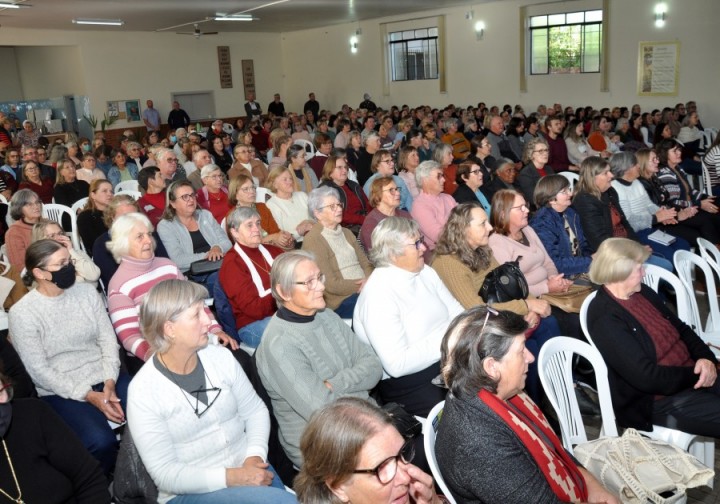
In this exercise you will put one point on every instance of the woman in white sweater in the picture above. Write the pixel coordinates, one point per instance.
(289, 207)
(200, 428)
(402, 313)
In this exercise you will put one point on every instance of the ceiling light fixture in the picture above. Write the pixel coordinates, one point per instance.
(236, 17)
(6, 5)
(103, 22)
(660, 13)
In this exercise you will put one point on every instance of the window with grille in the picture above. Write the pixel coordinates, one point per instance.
(566, 43)
(414, 54)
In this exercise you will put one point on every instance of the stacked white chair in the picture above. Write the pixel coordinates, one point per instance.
(430, 429)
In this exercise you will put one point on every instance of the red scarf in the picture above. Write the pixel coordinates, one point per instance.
(530, 425)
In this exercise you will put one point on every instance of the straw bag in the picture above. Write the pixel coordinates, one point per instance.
(641, 470)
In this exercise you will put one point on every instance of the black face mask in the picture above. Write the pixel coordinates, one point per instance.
(5, 418)
(64, 278)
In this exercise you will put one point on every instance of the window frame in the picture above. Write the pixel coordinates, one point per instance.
(404, 42)
(548, 26)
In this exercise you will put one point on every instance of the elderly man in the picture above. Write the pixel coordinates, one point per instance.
(371, 144)
(167, 162)
(252, 108)
(495, 136)
(178, 118)
(244, 163)
(200, 159)
(276, 107)
(308, 356)
(431, 208)
(151, 117)
(459, 143)
(30, 154)
(216, 130)
(135, 155)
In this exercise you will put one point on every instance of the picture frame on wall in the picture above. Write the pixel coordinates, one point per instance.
(658, 68)
(132, 110)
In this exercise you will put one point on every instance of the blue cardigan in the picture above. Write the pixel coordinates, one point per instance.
(550, 228)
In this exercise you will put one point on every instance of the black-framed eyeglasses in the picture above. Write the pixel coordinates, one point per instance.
(196, 394)
(386, 470)
(417, 243)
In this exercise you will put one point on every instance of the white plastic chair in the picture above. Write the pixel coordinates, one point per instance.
(710, 253)
(55, 212)
(655, 274)
(701, 448)
(228, 128)
(308, 146)
(686, 263)
(127, 185)
(136, 195)
(3, 199)
(261, 194)
(430, 432)
(572, 177)
(79, 205)
(555, 364)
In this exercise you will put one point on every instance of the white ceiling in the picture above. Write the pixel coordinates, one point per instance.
(155, 15)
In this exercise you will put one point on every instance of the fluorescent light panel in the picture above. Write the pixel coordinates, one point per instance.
(4, 5)
(104, 22)
(238, 17)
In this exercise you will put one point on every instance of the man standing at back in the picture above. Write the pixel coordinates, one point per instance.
(178, 118)
(276, 107)
(151, 117)
(312, 105)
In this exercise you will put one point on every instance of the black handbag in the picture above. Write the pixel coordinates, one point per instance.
(504, 283)
(204, 267)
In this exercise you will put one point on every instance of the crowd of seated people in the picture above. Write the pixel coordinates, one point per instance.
(401, 215)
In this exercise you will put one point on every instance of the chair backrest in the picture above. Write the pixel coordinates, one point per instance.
(583, 316)
(127, 185)
(79, 205)
(686, 264)
(224, 311)
(555, 364)
(136, 195)
(432, 422)
(571, 177)
(309, 148)
(710, 253)
(55, 212)
(261, 194)
(228, 128)
(3, 199)
(654, 275)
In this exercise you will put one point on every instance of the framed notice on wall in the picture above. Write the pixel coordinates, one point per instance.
(248, 72)
(658, 68)
(225, 68)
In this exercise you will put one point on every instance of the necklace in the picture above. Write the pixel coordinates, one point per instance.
(17, 500)
(265, 268)
(194, 393)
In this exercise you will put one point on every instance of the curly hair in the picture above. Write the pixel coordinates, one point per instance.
(453, 242)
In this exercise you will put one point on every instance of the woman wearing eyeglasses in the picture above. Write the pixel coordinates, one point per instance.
(213, 195)
(68, 346)
(190, 233)
(26, 210)
(469, 178)
(355, 204)
(353, 453)
(337, 252)
(385, 200)
(86, 270)
(535, 157)
(39, 447)
(383, 165)
(199, 427)
(402, 313)
(483, 446)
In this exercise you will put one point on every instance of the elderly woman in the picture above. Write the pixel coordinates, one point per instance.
(505, 177)
(242, 193)
(481, 149)
(213, 195)
(72, 153)
(385, 200)
(245, 275)
(90, 221)
(403, 311)
(121, 171)
(355, 204)
(535, 157)
(32, 180)
(308, 356)
(303, 176)
(469, 179)
(26, 211)
(642, 214)
(133, 248)
(353, 453)
(337, 252)
(383, 165)
(68, 188)
(482, 447)
(85, 269)
(197, 457)
(191, 234)
(598, 205)
(408, 161)
(660, 371)
(88, 171)
(29, 136)
(557, 225)
(73, 360)
(443, 156)
(39, 446)
(432, 208)
(463, 260)
(288, 205)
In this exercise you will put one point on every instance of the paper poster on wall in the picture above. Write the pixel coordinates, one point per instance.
(225, 67)
(248, 72)
(658, 68)
(113, 110)
(132, 110)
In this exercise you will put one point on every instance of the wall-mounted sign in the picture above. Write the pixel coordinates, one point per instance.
(225, 67)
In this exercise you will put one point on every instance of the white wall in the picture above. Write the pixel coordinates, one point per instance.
(47, 72)
(126, 66)
(489, 70)
(10, 87)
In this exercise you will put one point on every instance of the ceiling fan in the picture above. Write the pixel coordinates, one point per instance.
(196, 32)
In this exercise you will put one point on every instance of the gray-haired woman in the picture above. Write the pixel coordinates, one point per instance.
(245, 275)
(337, 252)
(483, 433)
(535, 157)
(214, 449)
(26, 210)
(403, 312)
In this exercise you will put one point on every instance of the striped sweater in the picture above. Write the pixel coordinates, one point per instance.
(128, 286)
